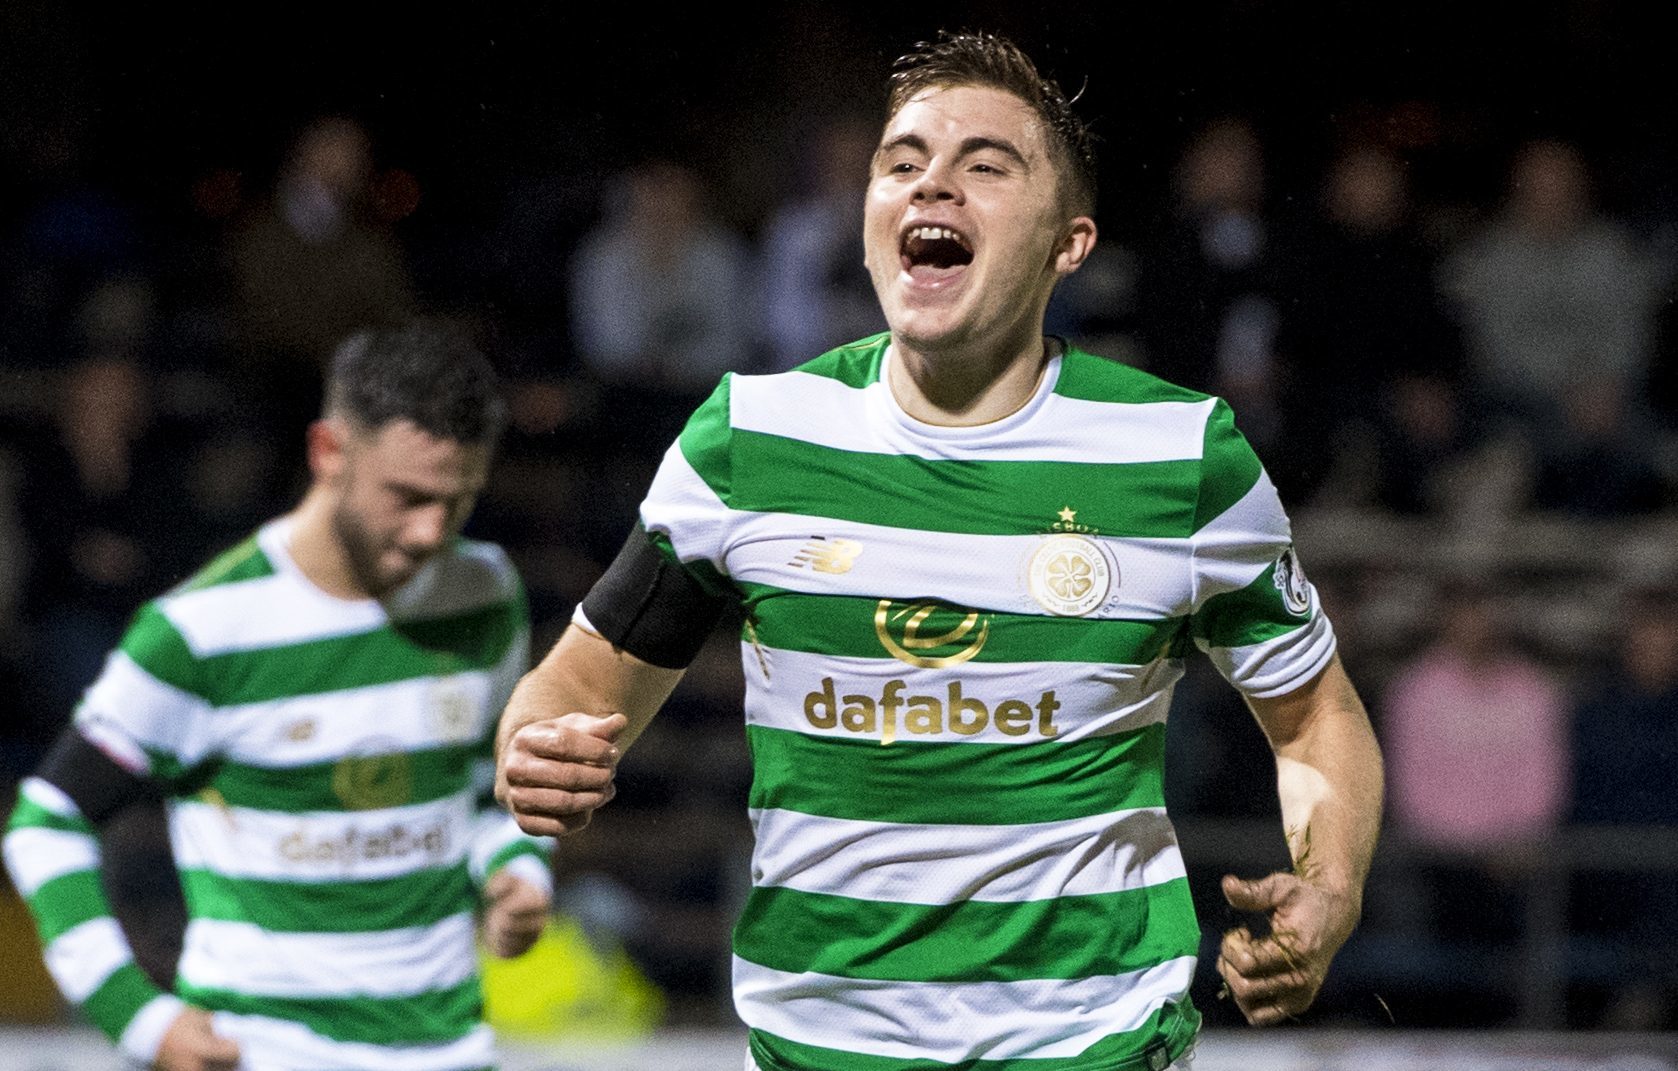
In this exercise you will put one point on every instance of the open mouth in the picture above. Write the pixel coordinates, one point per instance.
(928, 253)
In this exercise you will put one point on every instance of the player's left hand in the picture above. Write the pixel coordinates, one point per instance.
(1277, 976)
(515, 913)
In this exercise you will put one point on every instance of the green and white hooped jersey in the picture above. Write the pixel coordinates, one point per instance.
(328, 764)
(959, 648)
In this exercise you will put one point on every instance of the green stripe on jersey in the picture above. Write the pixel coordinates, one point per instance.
(1230, 467)
(1252, 615)
(118, 999)
(157, 646)
(844, 626)
(701, 571)
(513, 850)
(31, 815)
(774, 474)
(956, 783)
(397, 651)
(242, 561)
(421, 1019)
(973, 941)
(1171, 1028)
(418, 899)
(856, 364)
(1090, 378)
(67, 901)
(355, 783)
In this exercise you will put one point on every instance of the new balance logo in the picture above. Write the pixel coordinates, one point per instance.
(827, 555)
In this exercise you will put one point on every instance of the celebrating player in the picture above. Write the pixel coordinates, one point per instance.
(317, 707)
(971, 559)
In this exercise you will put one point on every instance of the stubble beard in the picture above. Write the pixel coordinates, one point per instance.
(362, 553)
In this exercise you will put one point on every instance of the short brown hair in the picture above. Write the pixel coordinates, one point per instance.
(426, 371)
(993, 61)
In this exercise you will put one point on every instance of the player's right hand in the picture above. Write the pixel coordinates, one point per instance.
(554, 773)
(191, 1044)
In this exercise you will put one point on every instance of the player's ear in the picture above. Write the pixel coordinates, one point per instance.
(1076, 242)
(327, 441)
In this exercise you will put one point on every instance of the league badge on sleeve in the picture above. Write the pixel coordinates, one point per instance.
(1291, 582)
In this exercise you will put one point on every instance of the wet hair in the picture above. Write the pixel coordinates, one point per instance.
(424, 371)
(992, 61)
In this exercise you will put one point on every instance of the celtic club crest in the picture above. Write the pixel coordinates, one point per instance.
(1070, 575)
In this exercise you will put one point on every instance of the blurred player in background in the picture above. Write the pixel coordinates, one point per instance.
(316, 706)
(971, 559)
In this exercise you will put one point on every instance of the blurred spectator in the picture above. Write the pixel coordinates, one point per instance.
(661, 307)
(1476, 735)
(72, 231)
(1371, 360)
(1206, 293)
(1626, 728)
(1625, 735)
(660, 287)
(1475, 738)
(1558, 309)
(100, 500)
(817, 294)
(310, 266)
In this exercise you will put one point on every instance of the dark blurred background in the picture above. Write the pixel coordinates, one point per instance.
(1428, 252)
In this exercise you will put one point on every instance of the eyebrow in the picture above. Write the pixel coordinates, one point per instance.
(968, 147)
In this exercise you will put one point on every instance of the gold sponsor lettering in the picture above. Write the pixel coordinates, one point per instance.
(357, 846)
(924, 715)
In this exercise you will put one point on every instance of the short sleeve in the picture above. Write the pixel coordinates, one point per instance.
(1255, 614)
(686, 509)
(148, 709)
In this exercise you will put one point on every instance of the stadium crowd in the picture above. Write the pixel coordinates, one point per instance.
(1438, 368)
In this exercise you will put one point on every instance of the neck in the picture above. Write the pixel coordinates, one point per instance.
(966, 387)
(317, 550)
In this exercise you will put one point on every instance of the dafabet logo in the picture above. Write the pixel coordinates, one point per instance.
(929, 635)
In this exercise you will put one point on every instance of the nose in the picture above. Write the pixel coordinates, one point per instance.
(938, 183)
(428, 527)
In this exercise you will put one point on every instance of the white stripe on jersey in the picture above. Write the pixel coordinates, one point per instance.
(982, 571)
(289, 1046)
(682, 505)
(36, 856)
(1094, 700)
(319, 846)
(127, 708)
(417, 714)
(81, 958)
(389, 963)
(947, 864)
(1239, 544)
(1276, 667)
(218, 619)
(1062, 429)
(956, 1021)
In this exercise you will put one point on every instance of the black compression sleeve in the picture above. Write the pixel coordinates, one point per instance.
(92, 779)
(648, 605)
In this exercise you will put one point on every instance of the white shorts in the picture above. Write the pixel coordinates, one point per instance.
(1184, 1062)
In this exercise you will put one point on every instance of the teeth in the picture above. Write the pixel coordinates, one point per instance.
(931, 233)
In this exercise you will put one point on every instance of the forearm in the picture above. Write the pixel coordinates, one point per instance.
(583, 673)
(1330, 781)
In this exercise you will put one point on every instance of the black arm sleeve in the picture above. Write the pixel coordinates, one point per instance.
(648, 605)
(92, 779)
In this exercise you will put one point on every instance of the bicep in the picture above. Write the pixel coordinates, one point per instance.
(1292, 721)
